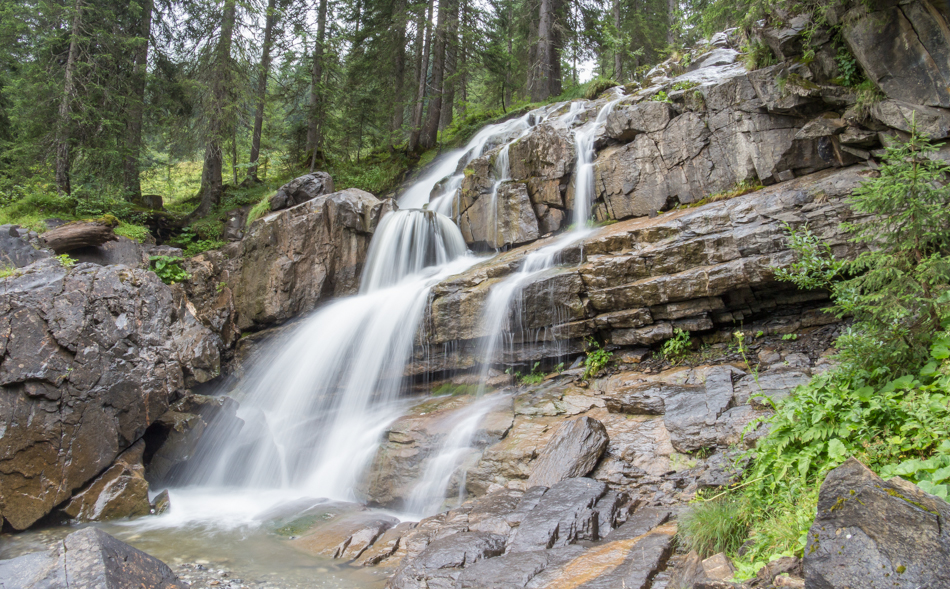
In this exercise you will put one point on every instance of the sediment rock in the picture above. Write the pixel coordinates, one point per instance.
(573, 451)
(301, 189)
(88, 558)
(89, 358)
(876, 534)
(119, 492)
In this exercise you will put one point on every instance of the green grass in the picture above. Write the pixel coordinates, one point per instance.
(719, 525)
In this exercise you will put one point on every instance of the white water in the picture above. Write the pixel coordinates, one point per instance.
(448, 169)
(497, 320)
(316, 405)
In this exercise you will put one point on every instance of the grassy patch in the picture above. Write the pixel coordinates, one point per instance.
(447, 389)
(720, 525)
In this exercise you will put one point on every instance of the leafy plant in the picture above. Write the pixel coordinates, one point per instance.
(598, 86)
(851, 74)
(65, 261)
(661, 96)
(685, 85)
(675, 348)
(790, 337)
(597, 358)
(7, 271)
(168, 269)
(757, 55)
(533, 377)
(202, 245)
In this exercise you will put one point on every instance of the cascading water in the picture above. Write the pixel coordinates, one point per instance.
(496, 314)
(315, 406)
(448, 168)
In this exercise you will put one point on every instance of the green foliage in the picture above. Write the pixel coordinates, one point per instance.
(932, 475)
(719, 525)
(597, 358)
(65, 261)
(202, 245)
(685, 85)
(851, 74)
(757, 55)
(790, 337)
(661, 96)
(675, 348)
(867, 96)
(168, 269)
(533, 377)
(815, 267)
(7, 271)
(135, 232)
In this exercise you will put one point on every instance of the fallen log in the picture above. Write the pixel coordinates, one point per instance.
(76, 235)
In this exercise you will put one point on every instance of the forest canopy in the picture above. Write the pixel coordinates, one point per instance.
(102, 101)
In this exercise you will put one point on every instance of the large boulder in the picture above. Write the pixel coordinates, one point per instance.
(292, 260)
(904, 48)
(88, 558)
(301, 189)
(573, 451)
(119, 492)
(876, 534)
(90, 357)
(504, 219)
(19, 247)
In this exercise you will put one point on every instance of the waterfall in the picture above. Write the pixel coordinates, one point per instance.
(448, 169)
(316, 405)
(498, 305)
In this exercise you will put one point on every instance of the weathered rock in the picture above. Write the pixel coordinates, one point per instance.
(173, 439)
(19, 247)
(904, 48)
(930, 121)
(563, 515)
(301, 189)
(625, 123)
(345, 536)
(786, 41)
(876, 534)
(292, 260)
(88, 558)
(573, 451)
(384, 546)
(441, 563)
(121, 250)
(695, 414)
(97, 353)
(512, 221)
(638, 400)
(121, 491)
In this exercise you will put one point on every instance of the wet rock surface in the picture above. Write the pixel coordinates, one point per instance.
(573, 451)
(88, 558)
(874, 533)
(97, 354)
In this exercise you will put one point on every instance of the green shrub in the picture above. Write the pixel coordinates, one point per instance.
(675, 348)
(661, 96)
(65, 261)
(168, 269)
(597, 358)
(535, 376)
(135, 232)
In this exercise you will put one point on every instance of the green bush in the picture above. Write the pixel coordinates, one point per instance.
(598, 86)
(676, 347)
(597, 358)
(168, 269)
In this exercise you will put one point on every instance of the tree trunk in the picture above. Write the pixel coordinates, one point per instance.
(463, 60)
(130, 168)
(71, 236)
(451, 67)
(64, 123)
(316, 75)
(421, 83)
(430, 133)
(618, 51)
(671, 12)
(269, 21)
(399, 69)
(211, 175)
(540, 67)
(506, 95)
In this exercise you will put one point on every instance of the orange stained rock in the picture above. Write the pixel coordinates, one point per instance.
(601, 560)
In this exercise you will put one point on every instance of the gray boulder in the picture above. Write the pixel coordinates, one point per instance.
(563, 515)
(19, 247)
(89, 558)
(904, 48)
(876, 534)
(933, 122)
(573, 451)
(97, 353)
(301, 189)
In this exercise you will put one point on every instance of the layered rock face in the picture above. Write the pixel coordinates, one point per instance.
(287, 264)
(638, 280)
(90, 357)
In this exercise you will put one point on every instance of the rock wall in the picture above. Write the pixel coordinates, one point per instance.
(632, 283)
(288, 263)
(90, 357)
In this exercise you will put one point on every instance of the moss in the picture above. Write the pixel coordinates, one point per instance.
(901, 568)
(899, 495)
